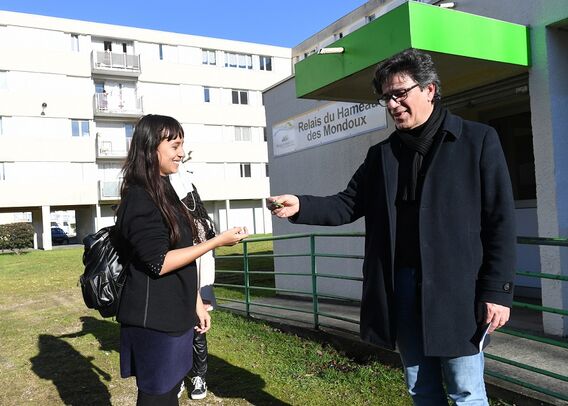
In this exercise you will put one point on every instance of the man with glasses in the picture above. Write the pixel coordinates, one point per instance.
(440, 234)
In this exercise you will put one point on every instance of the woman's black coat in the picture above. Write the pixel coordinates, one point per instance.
(466, 235)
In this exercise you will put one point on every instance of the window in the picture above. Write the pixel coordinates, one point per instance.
(266, 170)
(1, 127)
(515, 132)
(231, 60)
(79, 128)
(337, 36)
(101, 96)
(2, 171)
(75, 42)
(505, 106)
(370, 18)
(128, 131)
(208, 57)
(243, 134)
(108, 46)
(124, 48)
(264, 134)
(242, 61)
(265, 62)
(245, 170)
(240, 96)
(161, 51)
(206, 95)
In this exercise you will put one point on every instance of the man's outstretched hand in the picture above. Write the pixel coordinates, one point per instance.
(283, 206)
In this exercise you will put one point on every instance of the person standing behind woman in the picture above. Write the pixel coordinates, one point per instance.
(187, 193)
(160, 303)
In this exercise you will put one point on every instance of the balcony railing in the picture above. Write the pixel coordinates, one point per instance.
(108, 105)
(109, 190)
(112, 148)
(119, 63)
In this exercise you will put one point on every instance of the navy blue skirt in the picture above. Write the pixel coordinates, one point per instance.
(158, 360)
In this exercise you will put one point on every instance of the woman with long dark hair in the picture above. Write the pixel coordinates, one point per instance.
(160, 304)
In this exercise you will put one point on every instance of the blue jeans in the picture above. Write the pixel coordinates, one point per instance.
(425, 376)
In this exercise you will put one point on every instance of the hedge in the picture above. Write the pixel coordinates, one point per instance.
(16, 236)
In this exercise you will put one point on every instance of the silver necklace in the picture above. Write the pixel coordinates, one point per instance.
(194, 202)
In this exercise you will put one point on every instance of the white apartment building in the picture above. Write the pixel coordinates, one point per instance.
(71, 92)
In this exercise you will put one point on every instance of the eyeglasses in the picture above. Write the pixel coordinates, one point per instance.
(398, 96)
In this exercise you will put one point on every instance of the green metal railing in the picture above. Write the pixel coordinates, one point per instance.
(316, 297)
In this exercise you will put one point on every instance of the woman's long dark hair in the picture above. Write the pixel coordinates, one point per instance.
(142, 168)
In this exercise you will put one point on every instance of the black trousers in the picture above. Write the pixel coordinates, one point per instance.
(199, 367)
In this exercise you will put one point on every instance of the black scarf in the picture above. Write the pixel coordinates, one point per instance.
(419, 140)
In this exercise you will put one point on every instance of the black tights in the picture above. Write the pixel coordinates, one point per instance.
(166, 399)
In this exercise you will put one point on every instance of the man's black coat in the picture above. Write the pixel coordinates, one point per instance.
(466, 234)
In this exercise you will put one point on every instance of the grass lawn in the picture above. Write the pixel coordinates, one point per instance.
(55, 351)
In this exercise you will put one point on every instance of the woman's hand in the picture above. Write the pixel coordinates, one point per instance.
(179, 257)
(204, 318)
(231, 236)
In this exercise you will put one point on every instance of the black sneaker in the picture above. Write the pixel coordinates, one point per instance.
(199, 388)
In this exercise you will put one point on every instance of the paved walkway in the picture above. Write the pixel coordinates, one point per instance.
(521, 350)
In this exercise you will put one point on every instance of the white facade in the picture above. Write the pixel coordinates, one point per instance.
(71, 92)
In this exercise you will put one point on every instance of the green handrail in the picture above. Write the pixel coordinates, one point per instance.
(341, 277)
(262, 255)
(527, 367)
(540, 308)
(340, 256)
(247, 278)
(532, 337)
(528, 385)
(559, 242)
(314, 281)
(316, 296)
(542, 275)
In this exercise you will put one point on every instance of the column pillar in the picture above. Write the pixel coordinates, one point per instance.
(228, 213)
(41, 221)
(548, 87)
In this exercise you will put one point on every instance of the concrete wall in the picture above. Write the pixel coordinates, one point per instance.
(322, 170)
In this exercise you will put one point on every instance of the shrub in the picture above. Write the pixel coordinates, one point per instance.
(16, 236)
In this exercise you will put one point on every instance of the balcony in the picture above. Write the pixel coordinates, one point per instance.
(109, 190)
(112, 148)
(106, 105)
(116, 64)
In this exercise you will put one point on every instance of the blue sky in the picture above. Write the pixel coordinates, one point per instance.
(284, 23)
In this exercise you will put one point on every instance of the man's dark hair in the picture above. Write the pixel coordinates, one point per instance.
(412, 62)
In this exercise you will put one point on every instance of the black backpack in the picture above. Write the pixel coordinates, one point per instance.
(105, 272)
